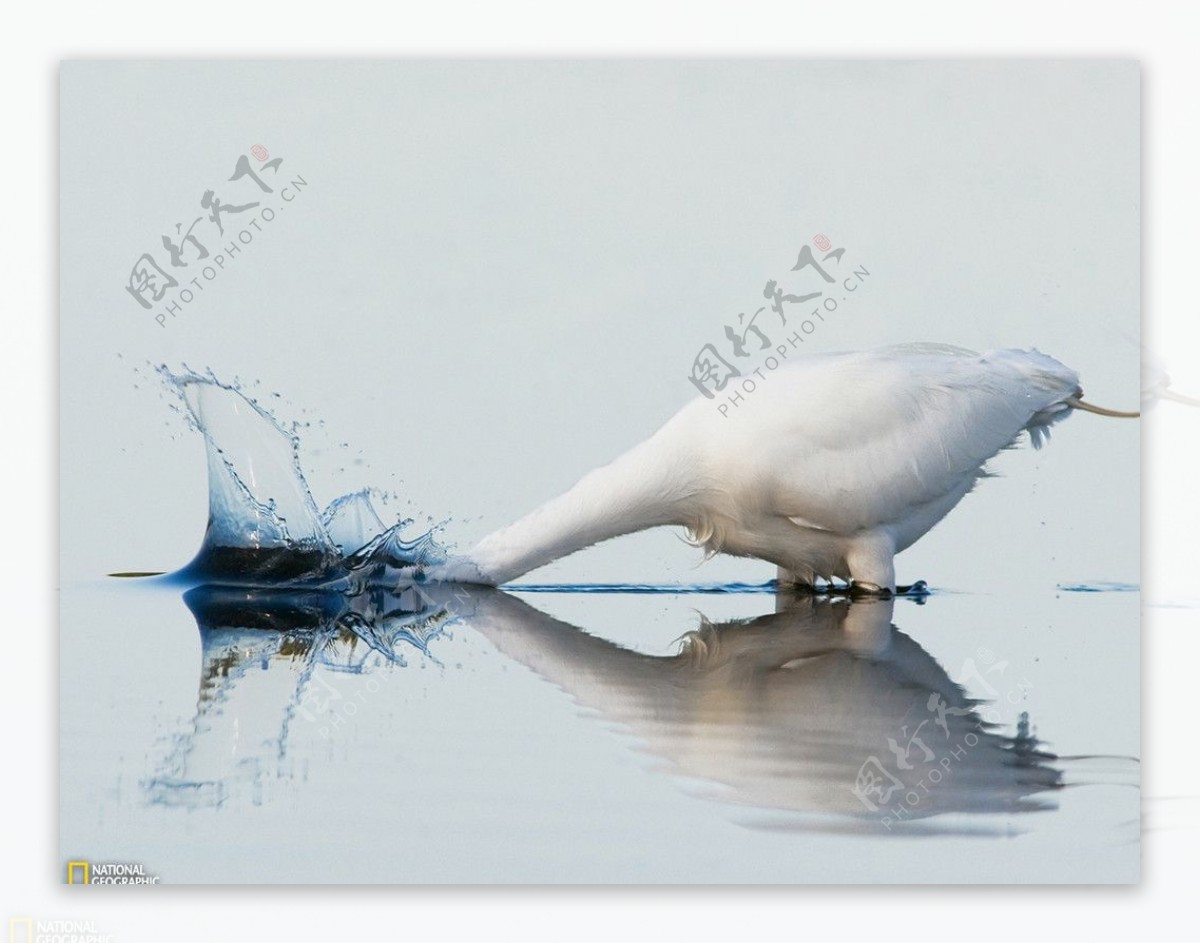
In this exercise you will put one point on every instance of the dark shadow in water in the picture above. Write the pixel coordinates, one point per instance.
(821, 708)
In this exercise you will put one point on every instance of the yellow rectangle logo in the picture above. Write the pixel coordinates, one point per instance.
(15, 926)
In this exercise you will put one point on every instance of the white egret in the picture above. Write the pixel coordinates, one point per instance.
(836, 463)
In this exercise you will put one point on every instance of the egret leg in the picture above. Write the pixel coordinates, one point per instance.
(789, 589)
(788, 580)
(871, 557)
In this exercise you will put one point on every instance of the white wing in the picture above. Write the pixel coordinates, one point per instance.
(853, 441)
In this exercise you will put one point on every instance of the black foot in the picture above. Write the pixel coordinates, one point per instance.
(919, 589)
(868, 591)
(823, 589)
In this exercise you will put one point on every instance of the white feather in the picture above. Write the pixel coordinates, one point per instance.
(832, 466)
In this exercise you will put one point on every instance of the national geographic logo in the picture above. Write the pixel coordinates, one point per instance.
(29, 930)
(108, 873)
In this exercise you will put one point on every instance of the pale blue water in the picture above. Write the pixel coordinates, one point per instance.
(284, 709)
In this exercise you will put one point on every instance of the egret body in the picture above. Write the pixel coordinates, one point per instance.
(833, 466)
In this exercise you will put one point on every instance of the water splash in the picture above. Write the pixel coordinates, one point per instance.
(264, 526)
(1102, 586)
(349, 521)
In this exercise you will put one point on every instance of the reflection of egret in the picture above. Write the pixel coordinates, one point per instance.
(836, 464)
(1156, 383)
(822, 708)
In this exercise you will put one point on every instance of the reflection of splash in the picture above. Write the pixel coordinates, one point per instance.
(260, 652)
(264, 527)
